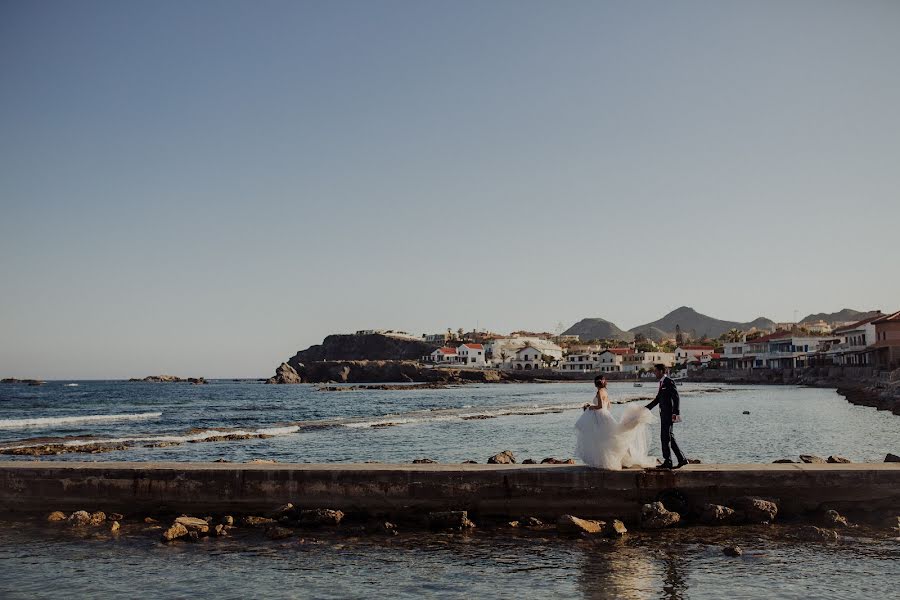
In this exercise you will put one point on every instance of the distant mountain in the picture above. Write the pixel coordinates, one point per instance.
(847, 314)
(695, 325)
(598, 329)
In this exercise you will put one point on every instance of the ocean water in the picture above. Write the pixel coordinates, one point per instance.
(471, 422)
(302, 424)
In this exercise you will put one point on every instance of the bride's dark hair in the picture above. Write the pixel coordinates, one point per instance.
(597, 380)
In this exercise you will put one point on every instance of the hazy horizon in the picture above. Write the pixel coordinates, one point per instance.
(203, 189)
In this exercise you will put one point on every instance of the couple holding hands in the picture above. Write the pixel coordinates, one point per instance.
(607, 443)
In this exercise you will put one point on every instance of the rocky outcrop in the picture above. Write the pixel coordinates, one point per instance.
(503, 458)
(812, 459)
(375, 346)
(56, 516)
(285, 373)
(811, 533)
(569, 525)
(455, 520)
(13, 380)
(834, 459)
(168, 379)
(655, 516)
(751, 509)
(716, 514)
(379, 371)
(320, 517)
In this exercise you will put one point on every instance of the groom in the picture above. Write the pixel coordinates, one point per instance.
(667, 398)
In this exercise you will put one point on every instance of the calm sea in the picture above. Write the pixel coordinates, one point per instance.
(302, 424)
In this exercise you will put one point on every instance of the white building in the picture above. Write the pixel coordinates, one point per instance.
(527, 358)
(855, 340)
(735, 355)
(632, 363)
(781, 350)
(686, 354)
(471, 355)
(443, 356)
(611, 359)
(503, 350)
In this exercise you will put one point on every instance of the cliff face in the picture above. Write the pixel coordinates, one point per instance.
(377, 371)
(363, 347)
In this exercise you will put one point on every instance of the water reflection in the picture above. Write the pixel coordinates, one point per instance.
(618, 570)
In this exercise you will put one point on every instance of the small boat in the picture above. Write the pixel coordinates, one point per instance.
(638, 385)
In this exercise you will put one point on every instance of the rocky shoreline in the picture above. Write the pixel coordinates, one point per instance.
(169, 379)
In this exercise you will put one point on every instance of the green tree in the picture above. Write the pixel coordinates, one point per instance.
(734, 335)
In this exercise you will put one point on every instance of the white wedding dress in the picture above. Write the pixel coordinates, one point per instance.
(607, 443)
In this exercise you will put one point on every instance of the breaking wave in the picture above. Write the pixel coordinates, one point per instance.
(51, 421)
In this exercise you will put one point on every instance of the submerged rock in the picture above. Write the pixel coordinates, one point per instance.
(530, 522)
(456, 520)
(655, 516)
(278, 533)
(732, 551)
(811, 533)
(569, 525)
(252, 521)
(503, 458)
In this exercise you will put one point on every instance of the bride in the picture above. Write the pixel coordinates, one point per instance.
(607, 443)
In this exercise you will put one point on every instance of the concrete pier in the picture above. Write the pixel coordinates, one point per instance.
(485, 490)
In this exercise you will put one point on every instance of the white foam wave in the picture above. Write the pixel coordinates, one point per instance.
(180, 439)
(52, 421)
(71, 385)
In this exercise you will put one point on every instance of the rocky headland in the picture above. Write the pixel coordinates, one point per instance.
(169, 379)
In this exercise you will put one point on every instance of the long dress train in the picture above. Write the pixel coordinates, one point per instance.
(607, 443)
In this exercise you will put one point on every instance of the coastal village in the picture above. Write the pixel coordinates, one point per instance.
(870, 342)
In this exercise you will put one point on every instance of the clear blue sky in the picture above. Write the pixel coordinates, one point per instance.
(203, 188)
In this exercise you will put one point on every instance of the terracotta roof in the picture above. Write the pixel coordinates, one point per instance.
(772, 336)
(697, 347)
(859, 323)
(447, 350)
(894, 318)
(474, 346)
(619, 351)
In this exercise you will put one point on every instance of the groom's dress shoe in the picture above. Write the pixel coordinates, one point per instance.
(680, 464)
(666, 466)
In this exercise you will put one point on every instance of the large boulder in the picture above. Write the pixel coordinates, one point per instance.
(320, 517)
(891, 458)
(503, 458)
(655, 516)
(56, 516)
(174, 532)
(285, 373)
(755, 510)
(193, 524)
(98, 518)
(832, 518)
(456, 520)
(834, 459)
(716, 514)
(80, 518)
(812, 459)
(569, 525)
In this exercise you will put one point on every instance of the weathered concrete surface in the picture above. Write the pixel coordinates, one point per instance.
(501, 490)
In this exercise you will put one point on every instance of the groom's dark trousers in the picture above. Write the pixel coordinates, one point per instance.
(668, 401)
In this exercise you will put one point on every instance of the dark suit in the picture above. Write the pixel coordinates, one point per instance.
(668, 401)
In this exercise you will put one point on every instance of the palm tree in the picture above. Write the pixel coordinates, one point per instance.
(734, 335)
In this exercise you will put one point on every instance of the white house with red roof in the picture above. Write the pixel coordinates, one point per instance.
(471, 355)
(443, 355)
(686, 354)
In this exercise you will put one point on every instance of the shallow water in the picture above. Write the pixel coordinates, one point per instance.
(53, 561)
